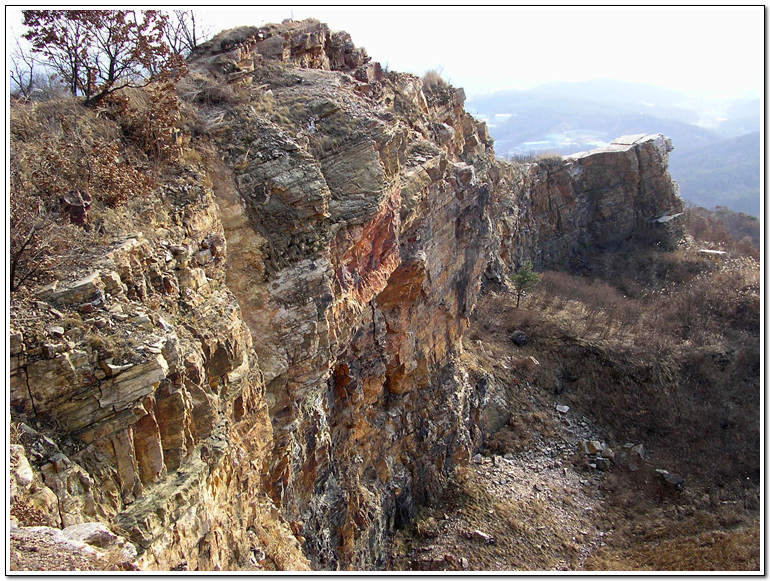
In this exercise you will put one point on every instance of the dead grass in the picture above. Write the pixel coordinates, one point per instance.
(432, 81)
(677, 368)
(663, 349)
(720, 550)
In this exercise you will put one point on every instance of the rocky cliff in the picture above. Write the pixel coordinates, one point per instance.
(290, 312)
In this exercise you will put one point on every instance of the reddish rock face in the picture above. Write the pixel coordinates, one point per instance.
(371, 255)
(313, 303)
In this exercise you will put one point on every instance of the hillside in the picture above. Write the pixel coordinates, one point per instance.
(601, 109)
(261, 319)
(725, 173)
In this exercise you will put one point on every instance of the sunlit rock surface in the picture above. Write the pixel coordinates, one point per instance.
(295, 319)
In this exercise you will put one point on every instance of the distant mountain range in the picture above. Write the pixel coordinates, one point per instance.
(716, 142)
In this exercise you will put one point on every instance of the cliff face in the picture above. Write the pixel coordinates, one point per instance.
(561, 211)
(295, 316)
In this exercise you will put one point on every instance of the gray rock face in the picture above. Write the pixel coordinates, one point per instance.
(560, 211)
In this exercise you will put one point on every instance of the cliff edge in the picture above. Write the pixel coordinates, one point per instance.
(265, 373)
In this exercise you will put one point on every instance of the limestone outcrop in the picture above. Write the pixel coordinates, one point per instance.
(288, 389)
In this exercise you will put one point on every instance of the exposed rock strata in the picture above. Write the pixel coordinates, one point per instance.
(294, 391)
(564, 209)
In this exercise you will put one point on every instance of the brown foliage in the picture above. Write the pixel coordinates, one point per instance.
(723, 229)
(39, 239)
(82, 153)
(98, 52)
(60, 150)
(149, 119)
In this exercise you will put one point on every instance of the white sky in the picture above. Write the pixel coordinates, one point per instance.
(698, 49)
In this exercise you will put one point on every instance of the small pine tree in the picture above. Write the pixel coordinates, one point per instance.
(524, 279)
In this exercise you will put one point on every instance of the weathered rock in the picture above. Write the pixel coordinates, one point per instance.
(481, 536)
(87, 289)
(309, 44)
(562, 208)
(92, 533)
(55, 331)
(602, 463)
(72, 487)
(21, 474)
(16, 342)
(314, 300)
(673, 480)
(519, 338)
(142, 321)
(591, 446)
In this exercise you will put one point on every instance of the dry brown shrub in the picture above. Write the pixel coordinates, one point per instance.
(40, 240)
(59, 149)
(149, 118)
(433, 81)
(27, 514)
(208, 91)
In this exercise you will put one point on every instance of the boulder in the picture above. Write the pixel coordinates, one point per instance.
(602, 463)
(671, 479)
(519, 338)
(86, 290)
(55, 331)
(92, 533)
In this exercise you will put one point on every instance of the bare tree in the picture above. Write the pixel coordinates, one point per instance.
(29, 247)
(30, 78)
(22, 72)
(183, 33)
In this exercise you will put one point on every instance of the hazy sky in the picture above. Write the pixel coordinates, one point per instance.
(704, 49)
(716, 50)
